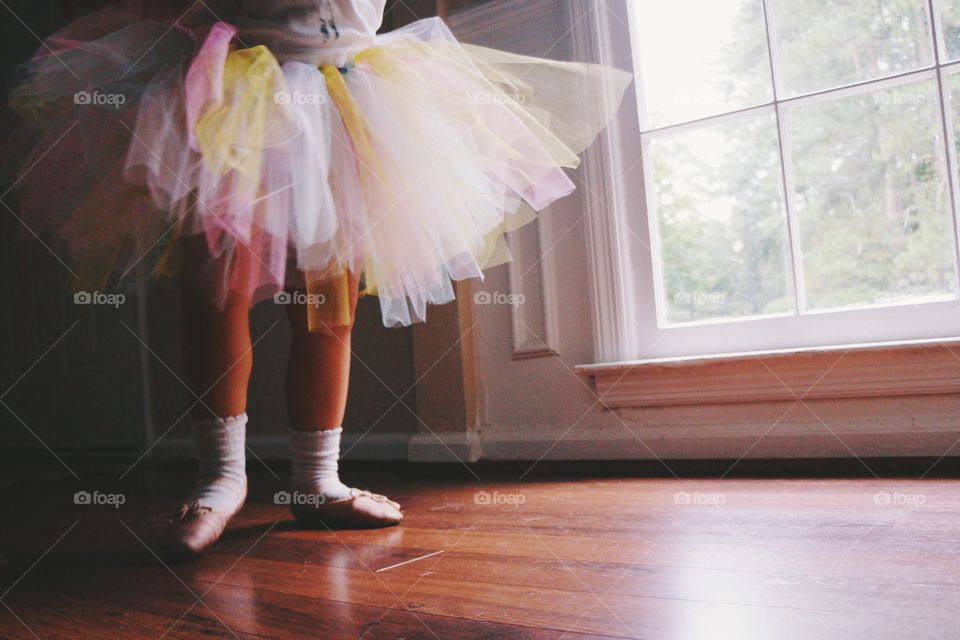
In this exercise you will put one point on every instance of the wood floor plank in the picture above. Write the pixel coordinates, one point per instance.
(732, 586)
(74, 619)
(546, 607)
(253, 612)
(585, 559)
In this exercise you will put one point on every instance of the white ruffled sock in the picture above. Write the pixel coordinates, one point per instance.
(222, 462)
(313, 463)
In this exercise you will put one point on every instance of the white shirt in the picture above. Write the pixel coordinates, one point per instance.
(313, 31)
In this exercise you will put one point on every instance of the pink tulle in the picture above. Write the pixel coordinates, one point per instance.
(204, 82)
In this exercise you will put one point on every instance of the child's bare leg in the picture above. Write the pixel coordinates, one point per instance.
(318, 377)
(318, 372)
(217, 355)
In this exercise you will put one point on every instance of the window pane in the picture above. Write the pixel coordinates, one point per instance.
(871, 197)
(950, 23)
(829, 44)
(700, 58)
(721, 220)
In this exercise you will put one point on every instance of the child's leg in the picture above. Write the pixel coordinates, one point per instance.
(217, 361)
(217, 355)
(317, 381)
(318, 372)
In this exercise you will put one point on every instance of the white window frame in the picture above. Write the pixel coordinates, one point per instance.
(626, 281)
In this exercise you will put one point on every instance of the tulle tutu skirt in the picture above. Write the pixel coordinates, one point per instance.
(403, 168)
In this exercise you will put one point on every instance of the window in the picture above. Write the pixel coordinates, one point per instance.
(800, 173)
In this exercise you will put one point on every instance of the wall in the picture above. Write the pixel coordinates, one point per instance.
(530, 403)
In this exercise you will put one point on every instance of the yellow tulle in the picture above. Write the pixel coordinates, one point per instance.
(231, 135)
(332, 301)
(338, 307)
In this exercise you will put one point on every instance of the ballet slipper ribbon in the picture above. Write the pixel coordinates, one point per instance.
(192, 509)
(376, 497)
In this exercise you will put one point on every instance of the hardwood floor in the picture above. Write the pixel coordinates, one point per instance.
(547, 558)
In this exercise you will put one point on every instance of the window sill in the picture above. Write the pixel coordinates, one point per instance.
(909, 368)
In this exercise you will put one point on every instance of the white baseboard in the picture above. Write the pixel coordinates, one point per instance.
(612, 444)
(373, 446)
(920, 426)
(445, 447)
